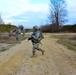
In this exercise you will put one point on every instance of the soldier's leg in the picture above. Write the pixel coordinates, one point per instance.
(33, 51)
(39, 49)
(36, 47)
(18, 39)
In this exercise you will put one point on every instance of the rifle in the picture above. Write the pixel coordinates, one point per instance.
(31, 38)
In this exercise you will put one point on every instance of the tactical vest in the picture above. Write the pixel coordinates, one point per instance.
(39, 38)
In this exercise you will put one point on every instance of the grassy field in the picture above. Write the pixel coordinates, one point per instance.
(7, 42)
(67, 40)
(12, 39)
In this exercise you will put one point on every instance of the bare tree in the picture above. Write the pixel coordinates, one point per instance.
(58, 12)
(1, 20)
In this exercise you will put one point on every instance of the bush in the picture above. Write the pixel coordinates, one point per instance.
(4, 36)
(6, 27)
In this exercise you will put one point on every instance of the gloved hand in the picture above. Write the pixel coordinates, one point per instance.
(29, 38)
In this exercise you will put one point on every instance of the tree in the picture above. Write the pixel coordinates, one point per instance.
(1, 20)
(58, 12)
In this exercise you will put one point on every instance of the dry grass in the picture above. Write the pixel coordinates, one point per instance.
(67, 40)
(69, 46)
(7, 41)
(11, 39)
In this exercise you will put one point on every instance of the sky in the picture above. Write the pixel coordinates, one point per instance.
(32, 12)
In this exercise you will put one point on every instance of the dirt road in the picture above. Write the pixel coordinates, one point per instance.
(58, 60)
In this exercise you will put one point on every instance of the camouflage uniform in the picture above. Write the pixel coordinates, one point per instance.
(36, 43)
(17, 32)
(34, 38)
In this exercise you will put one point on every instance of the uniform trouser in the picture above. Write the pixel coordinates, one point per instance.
(36, 47)
(17, 38)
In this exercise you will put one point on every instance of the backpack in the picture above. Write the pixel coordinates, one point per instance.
(41, 36)
(18, 32)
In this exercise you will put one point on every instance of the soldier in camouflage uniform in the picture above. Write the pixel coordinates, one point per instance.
(18, 32)
(36, 39)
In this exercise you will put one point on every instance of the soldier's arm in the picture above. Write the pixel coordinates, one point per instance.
(36, 36)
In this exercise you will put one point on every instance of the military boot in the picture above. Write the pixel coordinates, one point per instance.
(19, 42)
(43, 52)
(33, 56)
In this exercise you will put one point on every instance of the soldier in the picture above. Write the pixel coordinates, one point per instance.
(36, 38)
(18, 32)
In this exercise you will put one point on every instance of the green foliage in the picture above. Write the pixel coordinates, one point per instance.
(6, 27)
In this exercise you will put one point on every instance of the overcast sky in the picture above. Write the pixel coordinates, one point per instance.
(31, 12)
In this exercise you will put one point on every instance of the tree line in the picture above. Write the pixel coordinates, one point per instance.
(52, 28)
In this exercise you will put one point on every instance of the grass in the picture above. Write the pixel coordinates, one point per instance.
(3, 50)
(66, 40)
(13, 40)
(8, 41)
(69, 46)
